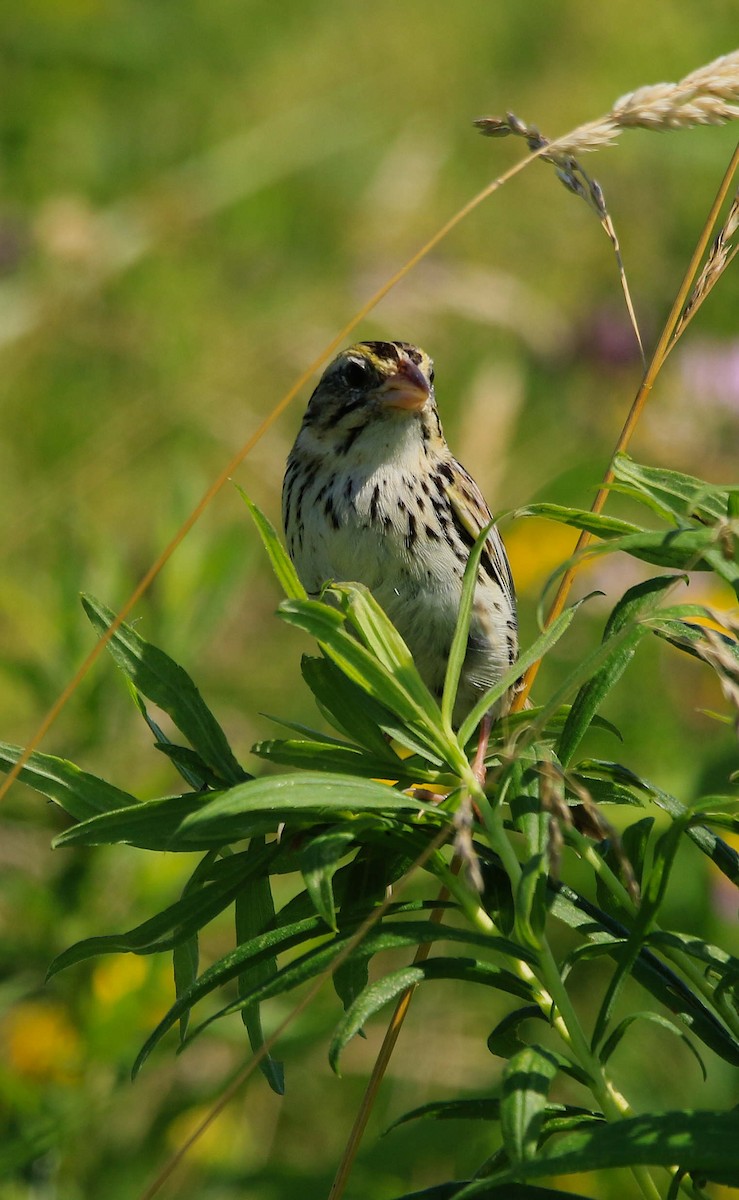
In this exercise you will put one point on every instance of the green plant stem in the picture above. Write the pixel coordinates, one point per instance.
(613, 1105)
(692, 973)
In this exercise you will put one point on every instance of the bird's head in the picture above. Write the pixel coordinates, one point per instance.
(371, 391)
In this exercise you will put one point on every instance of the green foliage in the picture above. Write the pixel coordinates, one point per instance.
(331, 818)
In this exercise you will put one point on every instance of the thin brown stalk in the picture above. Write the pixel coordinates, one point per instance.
(576, 179)
(62, 699)
(663, 347)
(392, 1033)
(248, 1069)
(719, 257)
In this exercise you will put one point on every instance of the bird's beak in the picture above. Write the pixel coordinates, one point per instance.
(408, 388)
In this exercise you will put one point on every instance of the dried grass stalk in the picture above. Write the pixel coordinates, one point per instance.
(576, 179)
(707, 96)
(719, 257)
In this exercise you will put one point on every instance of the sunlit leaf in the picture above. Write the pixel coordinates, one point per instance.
(394, 984)
(704, 1142)
(319, 860)
(629, 611)
(164, 682)
(254, 912)
(615, 1037)
(527, 1077)
(458, 650)
(674, 494)
(282, 565)
(80, 794)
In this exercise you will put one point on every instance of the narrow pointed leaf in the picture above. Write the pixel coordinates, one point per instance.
(190, 765)
(179, 921)
(311, 796)
(254, 912)
(629, 611)
(287, 576)
(319, 861)
(615, 1037)
(185, 960)
(382, 640)
(397, 982)
(683, 496)
(80, 794)
(541, 646)
(703, 1142)
(599, 524)
(661, 981)
(327, 626)
(348, 706)
(527, 1078)
(165, 683)
(458, 650)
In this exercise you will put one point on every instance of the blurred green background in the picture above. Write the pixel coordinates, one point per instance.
(195, 196)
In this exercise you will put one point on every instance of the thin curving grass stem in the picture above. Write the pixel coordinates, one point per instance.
(664, 345)
(392, 1033)
(248, 1069)
(64, 696)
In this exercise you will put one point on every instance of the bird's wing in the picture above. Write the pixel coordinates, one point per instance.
(471, 514)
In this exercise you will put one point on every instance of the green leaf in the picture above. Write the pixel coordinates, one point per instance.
(382, 639)
(703, 1142)
(327, 626)
(458, 651)
(541, 646)
(512, 1191)
(190, 765)
(166, 684)
(615, 1037)
(624, 621)
(653, 890)
(329, 757)
(150, 825)
(348, 707)
(319, 861)
(395, 983)
(254, 912)
(691, 638)
(674, 494)
(635, 843)
(484, 1108)
(687, 943)
(307, 797)
(723, 856)
(185, 960)
(78, 793)
(661, 982)
(527, 1078)
(599, 524)
(530, 818)
(287, 576)
(179, 921)
(230, 966)
(505, 1040)
(204, 820)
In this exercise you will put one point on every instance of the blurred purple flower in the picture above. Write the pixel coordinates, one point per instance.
(710, 372)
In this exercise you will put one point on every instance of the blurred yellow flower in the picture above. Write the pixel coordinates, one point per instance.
(227, 1139)
(535, 548)
(41, 1043)
(117, 977)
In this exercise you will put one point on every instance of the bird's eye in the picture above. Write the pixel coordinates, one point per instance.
(355, 373)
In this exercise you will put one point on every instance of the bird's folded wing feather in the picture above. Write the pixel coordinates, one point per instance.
(471, 514)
